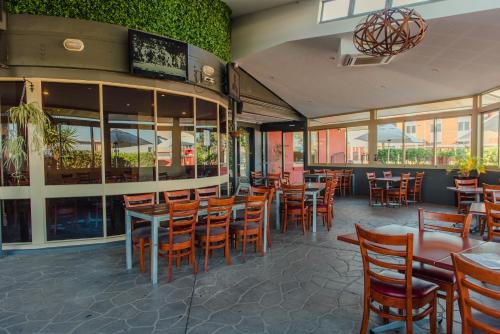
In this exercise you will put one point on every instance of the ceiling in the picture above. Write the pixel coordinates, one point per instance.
(243, 7)
(460, 56)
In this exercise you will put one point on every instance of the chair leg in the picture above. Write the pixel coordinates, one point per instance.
(207, 243)
(170, 251)
(193, 259)
(450, 294)
(244, 244)
(141, 255)
(227, 253)
(433, 316)
(366, 316)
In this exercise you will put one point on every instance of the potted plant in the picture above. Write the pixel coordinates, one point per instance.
(465, 167)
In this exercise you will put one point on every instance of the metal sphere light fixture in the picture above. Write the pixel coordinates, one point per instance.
(389, 32)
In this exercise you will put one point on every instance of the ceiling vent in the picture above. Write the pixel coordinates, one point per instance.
(362, 60)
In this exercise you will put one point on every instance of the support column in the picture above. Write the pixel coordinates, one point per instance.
(235, 180)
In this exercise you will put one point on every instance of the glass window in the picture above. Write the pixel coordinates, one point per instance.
(16, 220)
(490, 138)
(397, 3)
(319, 140)
(73, 151)
(419, 142)
(337, 144)
(175, 137)
(365, 6)
(490, 98)
(274, 151)
(294, 155)
(426, 108)
(357, 145)
(451, 143)
(223, 140)
(129, 134)
(206, 138)
(334, 9)
(390, 143)
(115, 215)
(10, 96)
(74, 218)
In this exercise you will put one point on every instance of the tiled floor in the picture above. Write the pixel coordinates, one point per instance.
(309, 284)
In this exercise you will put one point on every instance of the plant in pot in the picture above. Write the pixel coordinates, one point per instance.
(14, 148)
(467, 168)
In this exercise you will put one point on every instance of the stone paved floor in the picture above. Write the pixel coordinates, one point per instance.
(309, 284)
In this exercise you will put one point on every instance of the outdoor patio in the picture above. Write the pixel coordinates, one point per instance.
(309, 284)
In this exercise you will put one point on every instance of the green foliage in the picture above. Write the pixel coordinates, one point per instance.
(60, 140)
(126, 160)
(465, 166)
(30, 113)
(14, 150)
(204, 23)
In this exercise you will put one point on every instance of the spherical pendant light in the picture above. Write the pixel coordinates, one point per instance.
(389, 32)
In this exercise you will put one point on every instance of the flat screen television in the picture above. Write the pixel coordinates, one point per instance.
(156, 56)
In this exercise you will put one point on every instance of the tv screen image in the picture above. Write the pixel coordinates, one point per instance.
(156, 56)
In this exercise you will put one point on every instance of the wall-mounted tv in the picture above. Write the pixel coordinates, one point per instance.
(156, 56)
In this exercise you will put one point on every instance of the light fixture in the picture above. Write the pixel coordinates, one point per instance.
(45, 92)
(389, 32)
(73, 45)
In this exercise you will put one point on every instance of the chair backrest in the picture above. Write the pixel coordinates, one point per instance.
(274, 179)
(466, 183)
(294, 194)
(446, 222)
(177, 196)
(371, 175)
(255, 173)
(183, 216)
(464, 271)
(206, 193)
(219, 212)
(254, 210)
(269, 193)
(405, 180)
(329, 191)
(387, 173)
(419, 181)
(492, 219)
(397, 257)
(132, 201)
(372, 183)
(491, 192)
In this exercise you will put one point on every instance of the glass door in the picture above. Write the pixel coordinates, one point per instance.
(244, 155)
(293, 155)
(274, 152)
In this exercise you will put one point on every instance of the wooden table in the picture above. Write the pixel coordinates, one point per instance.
(390, 179)
(486, 247)
(429, 247)
(318, 176)
(161, 212)
(313, 190)
(468, 190)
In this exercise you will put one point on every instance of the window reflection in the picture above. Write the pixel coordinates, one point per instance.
(206, 138)
(453, 138)
(73, 151)
(16, 220)
(129, 134)
(390, 143)
(223, 140)
(337, 141)
(115, 215)
(419, 142)
(74, 218)
(357, 145)
(175, 139)
(10, 96)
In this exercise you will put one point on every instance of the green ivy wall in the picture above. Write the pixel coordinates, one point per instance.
(204, 23)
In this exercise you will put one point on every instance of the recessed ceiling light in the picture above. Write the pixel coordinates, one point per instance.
(309, 101)
(383, 87)
(128, 104)
(184, 113)
(45, 93)
(435, 70)
(271, 77)
(332, 58)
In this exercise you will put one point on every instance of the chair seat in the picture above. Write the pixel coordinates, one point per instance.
(202, 230)
(178, 239)
(433, 274)
(420, 287)
(145, 232)
(241, 226)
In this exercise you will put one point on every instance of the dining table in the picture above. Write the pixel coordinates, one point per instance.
(157, 213)
(313, 190)
(477, 191)
(317, 177)
(391, 179)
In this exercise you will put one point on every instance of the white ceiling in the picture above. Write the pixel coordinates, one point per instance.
(243, 7)
(460, 56)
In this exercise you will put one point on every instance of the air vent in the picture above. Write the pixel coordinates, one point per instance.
(361, 60)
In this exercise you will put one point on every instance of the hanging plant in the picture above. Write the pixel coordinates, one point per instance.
(14, 148)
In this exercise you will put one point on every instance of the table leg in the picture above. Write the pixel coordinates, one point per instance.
(278, 211)
(128, 239)
(154, 251)
(314, 212)
(353, 185)
(478, 197)
(264, 234)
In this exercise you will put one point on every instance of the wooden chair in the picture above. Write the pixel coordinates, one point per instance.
(256, 178)
(465, 200)
(387, 173)
(319, 171)
(215, 234)
(347, 182)
(336, 175)
(478, 320)
(250, 229)
(394, 287)
(286, 177)
(493, 221)
(491, 193)
(295, 207)
(274, 180)
(416, 191)
(269, 192)
(445, 279)
(399, 195)
(204, 194)
(377, 194)
(324, 208)
(141, 235)
(179, 242)
(177, 196)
